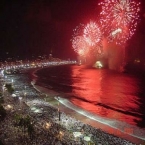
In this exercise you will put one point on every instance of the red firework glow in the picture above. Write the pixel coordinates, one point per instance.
(80, 46)
(119, 19)
(92, 33)
(87, 39)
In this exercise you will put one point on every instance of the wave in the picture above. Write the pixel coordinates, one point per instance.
(131, 113)
(137, 132)
(119, 110)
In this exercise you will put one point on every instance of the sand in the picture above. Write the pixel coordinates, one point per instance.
(48, 96)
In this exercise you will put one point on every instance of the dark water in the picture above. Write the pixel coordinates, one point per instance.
(116, 96)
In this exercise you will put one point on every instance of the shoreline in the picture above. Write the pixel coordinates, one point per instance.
(42, 105)
(68, 111)
(86, 120)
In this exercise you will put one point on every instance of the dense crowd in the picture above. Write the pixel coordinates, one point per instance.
(51, 127)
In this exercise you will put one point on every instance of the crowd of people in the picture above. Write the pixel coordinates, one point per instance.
(51, 127)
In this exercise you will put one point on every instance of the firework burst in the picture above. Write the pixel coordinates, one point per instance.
(92, 33)
(78, 31)
(80, 46)
(119, 19)
(78, 42)
(86, 40)
(93, 37)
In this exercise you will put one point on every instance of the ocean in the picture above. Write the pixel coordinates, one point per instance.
(112, 98)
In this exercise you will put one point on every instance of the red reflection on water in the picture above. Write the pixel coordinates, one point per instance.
(89, 89)
(107, 94)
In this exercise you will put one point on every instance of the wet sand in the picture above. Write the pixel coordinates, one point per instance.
(49, 97)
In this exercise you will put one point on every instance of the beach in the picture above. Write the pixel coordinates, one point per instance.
(85, 119)
(69, 120)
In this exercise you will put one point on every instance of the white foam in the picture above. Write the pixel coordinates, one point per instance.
(137, 132)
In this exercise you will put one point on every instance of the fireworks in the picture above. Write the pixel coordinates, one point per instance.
(78, 31)
(78, 42)
(87, 38)
(119, 19)
(92, 33)
(80, 46)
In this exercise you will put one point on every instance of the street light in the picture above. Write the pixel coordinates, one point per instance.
(3, 90)
(58, 109)
(20, 98)
(25, 93)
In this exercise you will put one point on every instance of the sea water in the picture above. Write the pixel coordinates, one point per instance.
(112, 98)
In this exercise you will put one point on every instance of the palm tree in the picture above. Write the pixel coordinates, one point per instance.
(25, 123)
(31, 130)
(9, 88)
(2, 113)
(1, 100)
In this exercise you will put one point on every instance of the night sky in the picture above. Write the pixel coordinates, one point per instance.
(32, 28)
